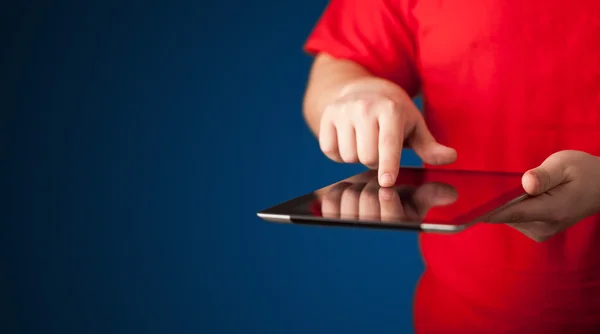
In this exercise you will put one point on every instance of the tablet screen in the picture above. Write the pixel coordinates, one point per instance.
(419, 195)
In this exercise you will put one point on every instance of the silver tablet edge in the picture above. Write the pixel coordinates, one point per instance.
(277, 218)
(428, 227)
(274, 217)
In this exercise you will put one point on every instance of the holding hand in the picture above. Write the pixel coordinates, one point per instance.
(369, 126)
(565, 189)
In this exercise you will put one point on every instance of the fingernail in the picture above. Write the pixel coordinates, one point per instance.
(386, 179)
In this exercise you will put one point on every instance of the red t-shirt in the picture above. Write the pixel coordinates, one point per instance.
(506, 83)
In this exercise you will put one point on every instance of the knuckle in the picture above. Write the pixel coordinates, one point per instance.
(350, 158)
(362, 103)
(362, 108)
(388, 112)
(389, 105)
(369, 161)
(328, 147)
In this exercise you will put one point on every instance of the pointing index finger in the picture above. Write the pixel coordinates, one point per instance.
(391, 137)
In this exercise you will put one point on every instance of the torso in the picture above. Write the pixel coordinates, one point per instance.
(507, 83)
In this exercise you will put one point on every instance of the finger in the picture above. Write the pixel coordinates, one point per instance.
(367, 134)
(537, 231)
(391, 136)
(330, 204)
(546, 207)
(430, 195)
(328, 140)
(368, 208)
(391, 206)
(551, 173)
(426, 147)
(350, 202)
(346, 141)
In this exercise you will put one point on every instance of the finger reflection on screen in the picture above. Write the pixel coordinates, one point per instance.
(369, 201)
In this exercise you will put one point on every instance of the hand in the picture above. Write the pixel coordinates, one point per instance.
(565, 189)
(371, 123)
(368, 201)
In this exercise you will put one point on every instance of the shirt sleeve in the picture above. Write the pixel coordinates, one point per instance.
(373, 33)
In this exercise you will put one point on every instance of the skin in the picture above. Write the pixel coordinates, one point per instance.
(359, 118)
(564, 190)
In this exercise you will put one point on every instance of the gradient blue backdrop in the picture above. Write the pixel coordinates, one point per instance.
(139, 140)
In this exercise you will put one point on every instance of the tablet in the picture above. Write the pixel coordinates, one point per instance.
(428, 200)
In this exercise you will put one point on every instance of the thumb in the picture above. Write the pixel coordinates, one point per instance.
(427, 148)
(550, 174)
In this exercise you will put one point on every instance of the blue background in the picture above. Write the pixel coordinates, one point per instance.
(139, 139)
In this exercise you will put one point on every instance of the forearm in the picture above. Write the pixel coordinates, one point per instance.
(330, 78)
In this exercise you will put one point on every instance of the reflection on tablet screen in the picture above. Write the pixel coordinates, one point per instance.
(433, 196)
